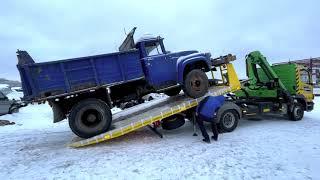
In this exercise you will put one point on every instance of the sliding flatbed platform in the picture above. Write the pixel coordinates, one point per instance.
(145, 114)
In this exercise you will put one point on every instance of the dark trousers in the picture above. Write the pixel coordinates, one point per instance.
(203, 129)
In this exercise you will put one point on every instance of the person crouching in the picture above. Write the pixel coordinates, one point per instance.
(206, 111)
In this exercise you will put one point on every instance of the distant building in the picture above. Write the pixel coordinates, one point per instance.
(312, 63)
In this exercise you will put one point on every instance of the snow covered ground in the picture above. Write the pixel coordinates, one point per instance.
(316, 91)
(271, 148)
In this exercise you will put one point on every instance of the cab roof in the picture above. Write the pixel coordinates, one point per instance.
(148, 38)
(129, 42)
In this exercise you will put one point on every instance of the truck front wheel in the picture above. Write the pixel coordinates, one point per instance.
(196, 83)
(297, 113)
(90, 117)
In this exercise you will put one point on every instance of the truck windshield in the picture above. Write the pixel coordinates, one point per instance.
(153, 48)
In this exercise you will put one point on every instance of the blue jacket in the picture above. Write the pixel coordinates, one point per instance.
(208, 106)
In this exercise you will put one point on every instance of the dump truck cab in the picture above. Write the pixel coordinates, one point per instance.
(161, 67)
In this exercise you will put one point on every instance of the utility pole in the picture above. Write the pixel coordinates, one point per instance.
(310, 66)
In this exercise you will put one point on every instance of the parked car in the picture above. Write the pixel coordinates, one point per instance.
(8, 106)
(5, 104)
(5, 89)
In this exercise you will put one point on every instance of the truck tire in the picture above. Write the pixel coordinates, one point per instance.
(14, 109)
(228, 121)
(173, 122)
(196, 83)
(173, 91)
(297, 113)
(90, 117)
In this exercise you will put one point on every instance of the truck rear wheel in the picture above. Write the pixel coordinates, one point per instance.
(297, 113)
(90, 117)
(173, 91)
(228, 121)
(196, 83)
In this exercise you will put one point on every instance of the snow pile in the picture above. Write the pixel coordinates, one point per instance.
(272, 148)
(15, 95)
(5, 89)
(19, 89)
(2, 86)
(33, 117)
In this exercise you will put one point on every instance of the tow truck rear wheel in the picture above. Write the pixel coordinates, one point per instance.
(196, 83)
(297, 113)
(228, 121)
(90, 117)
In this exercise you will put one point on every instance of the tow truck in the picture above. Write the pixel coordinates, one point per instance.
(276, 89)
(284, 89)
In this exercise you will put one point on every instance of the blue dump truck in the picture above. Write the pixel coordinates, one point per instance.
(85, 89)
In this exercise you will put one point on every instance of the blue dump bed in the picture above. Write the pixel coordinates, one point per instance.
(41, 80)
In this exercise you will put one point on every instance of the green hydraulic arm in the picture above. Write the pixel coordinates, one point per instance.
(256, 58)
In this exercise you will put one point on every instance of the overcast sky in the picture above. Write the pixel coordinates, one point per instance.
(51, 30)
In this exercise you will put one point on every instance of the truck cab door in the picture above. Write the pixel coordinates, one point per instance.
(159, 66)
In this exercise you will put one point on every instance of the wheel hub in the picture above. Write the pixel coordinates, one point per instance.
(298, 112)
(228, 120)
(91, 118)
(196, 84)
